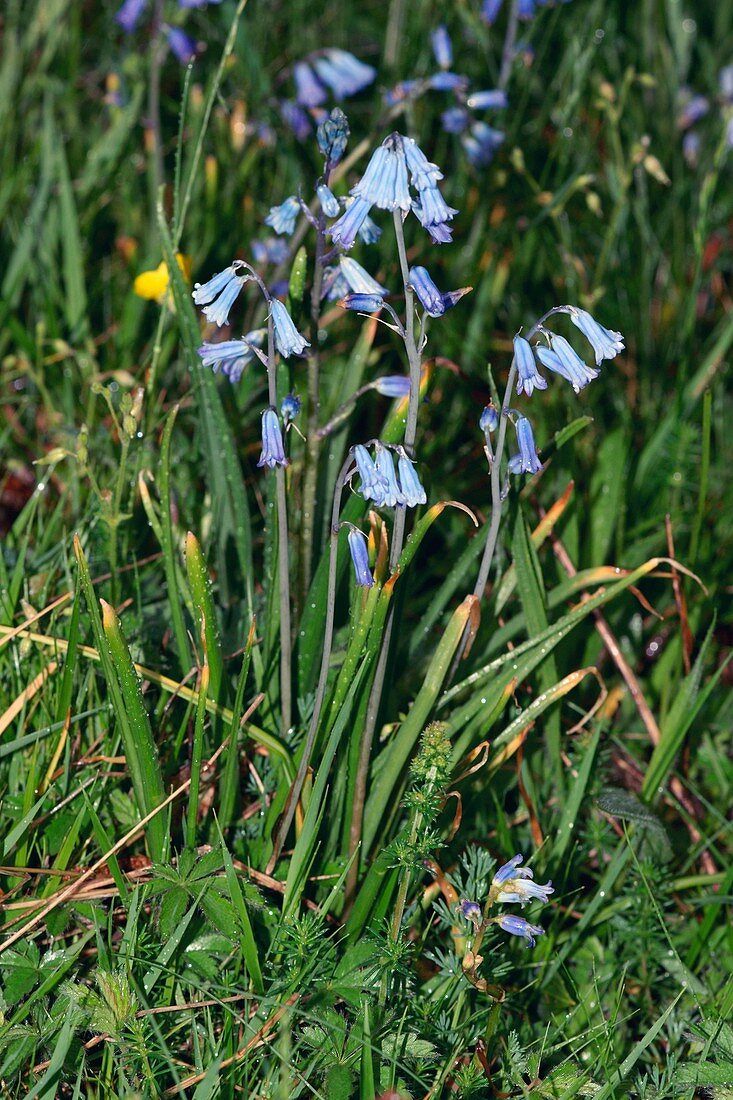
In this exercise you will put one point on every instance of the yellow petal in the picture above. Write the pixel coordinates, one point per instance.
(152, 285)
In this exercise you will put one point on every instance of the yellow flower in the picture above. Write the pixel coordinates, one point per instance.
(153, 285)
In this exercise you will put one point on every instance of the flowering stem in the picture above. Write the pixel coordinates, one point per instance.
(297, 787)
(398, 536)
(283, 567)
(510, 40)
(157, 55)
(310, 475)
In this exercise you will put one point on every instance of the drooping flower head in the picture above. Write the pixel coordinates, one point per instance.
(515, 884)
(392, 385)
(489, 419)
(232, 356)
(329, 202)
(288, 340)
(410, 484)
(527, 461)
(431, 299)
(332, 136)
(605, 342)
(273, 450)
(442, 46)
(289, 408)
(528, 375)
(219, 294)
(360, 558)
(518, 926)
(282, 218)
(562, 359)
(397, 165)
(182, 46)
(470, 910)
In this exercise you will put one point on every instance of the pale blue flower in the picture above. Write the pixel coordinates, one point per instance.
(518, 926)
(517, 885)
(481, 144)
(373, 485)
(282, 218)
(363, 303)
(695, 108)
(231, 356)
(275, 250)
(309, 91)
(129, 13)
(484, 101)
(448, 82)
(359, 280)
(334, 284)
(384, 183)
(384, 462)
(287, 338)
(423, 173)
(296, 118)
(412, 489)
(455, 120)
(344, 74)
(392, 385)
(442, 46)
(527, 461)
(329, 202)
(529, 376)
(725, 83)
(344, 231)
(360, 558)
(273, 451)
(489, 10)
(219, 294)
(565, 361)
(605, 342)
(181, 45)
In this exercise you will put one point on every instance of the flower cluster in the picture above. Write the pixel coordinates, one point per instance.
(181, 45)
(385, 185)
(479, 140)
(359, 557)
(380, 483)
(510, 885)
(328, 70)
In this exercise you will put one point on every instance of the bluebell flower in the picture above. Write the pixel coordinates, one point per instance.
(373, 486)
(518, 926)
(392, 385)
(448, 82)
(360, 558)
(696, 107)
(129, 13)
(725, 83)
(219, 294)
(332, 136)
(182, 47)
(605, 342)
(691, 144)
(470, 910)
(329, 202)
(489, 419)
(369, 232)
(363, 303)
(289, 408)
(440, 233)
(529, 376)
(401, 92)
(527, 461)
(526, 9)
(344, 74)
(455, 120)
(359, 281)
(287, 338)
(423, 173)
(442, 46)
(273, 451)
(295, 117)
(282, 218)
(309, 92)
(275, 250)
(490, 10)
(384, 462)
(565, 361)
(481, 144)
(412, 489)
(432, 210)
(229, 356)
(516, 884)
(384, 183)
(488, 100)
(344, 231)
(431, 299)
(334, 285)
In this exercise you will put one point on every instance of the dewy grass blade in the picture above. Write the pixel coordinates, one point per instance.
(200, 585)
(170, 558)
(197, 755)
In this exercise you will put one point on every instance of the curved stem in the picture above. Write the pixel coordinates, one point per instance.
(313, 444)
(297, 787)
